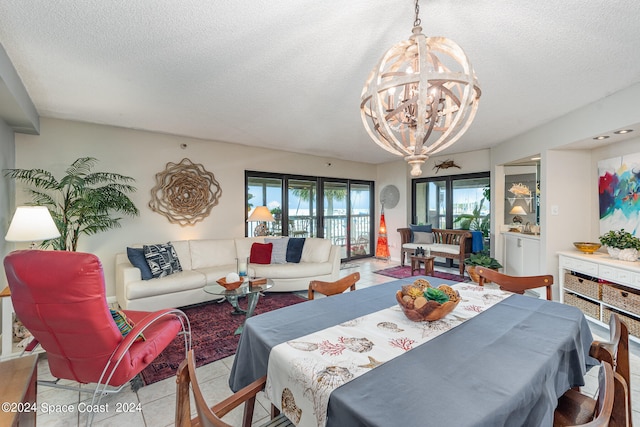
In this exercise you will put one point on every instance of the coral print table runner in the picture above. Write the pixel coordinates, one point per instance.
(303, 372)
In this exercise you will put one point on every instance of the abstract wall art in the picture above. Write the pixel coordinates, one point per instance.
(619, 194)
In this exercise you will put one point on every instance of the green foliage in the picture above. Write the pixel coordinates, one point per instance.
(482, 259)
(475, 221)
(620, 239)
(435, 294)
(81, 202)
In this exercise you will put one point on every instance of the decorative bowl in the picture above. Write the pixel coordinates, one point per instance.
(229, 286)
(587, 247)
(429, 312)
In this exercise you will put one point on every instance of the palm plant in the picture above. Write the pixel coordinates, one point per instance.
(81, 202)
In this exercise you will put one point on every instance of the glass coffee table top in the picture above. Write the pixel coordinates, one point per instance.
(251, 291)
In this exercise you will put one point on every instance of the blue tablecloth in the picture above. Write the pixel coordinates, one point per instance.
(506, 366)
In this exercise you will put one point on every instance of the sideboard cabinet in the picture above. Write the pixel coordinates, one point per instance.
(600, 285)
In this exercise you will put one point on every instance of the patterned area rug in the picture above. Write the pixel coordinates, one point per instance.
(212, 328)
(399, 272)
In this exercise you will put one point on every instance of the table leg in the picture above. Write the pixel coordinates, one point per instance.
(413, 266)
(252, 301)
(233, 300)
(428, 267)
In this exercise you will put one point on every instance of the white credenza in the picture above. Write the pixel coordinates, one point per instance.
(521, 254)
(600, 285)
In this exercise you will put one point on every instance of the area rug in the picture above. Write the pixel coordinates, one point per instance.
(212, 338)
(399, 272)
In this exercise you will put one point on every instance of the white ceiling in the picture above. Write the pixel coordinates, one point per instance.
(288, 74)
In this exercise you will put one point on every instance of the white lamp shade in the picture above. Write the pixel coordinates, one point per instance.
(30, 224)
(517, 210)
(261, 213)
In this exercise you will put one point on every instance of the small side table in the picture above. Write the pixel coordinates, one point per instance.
(18, 387)
(426, 260)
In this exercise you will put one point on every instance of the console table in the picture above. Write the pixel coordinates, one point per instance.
(600, 285)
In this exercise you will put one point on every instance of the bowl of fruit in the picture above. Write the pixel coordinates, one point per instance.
(420, 301)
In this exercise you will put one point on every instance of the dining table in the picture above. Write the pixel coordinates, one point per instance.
(354, 359)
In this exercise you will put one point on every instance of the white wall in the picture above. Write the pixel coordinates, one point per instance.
(7, 193)
(143, 154)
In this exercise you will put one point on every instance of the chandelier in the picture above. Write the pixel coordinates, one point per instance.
(420, 98)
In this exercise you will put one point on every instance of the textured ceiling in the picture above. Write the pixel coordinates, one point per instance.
(288, 74)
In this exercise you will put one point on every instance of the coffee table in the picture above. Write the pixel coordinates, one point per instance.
(426, 260)
(251, 291)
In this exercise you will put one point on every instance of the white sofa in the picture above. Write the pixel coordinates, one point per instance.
(205, 261)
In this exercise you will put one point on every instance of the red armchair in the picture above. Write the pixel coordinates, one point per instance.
(60, 297)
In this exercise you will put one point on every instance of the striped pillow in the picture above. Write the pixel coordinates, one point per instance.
(124, 324)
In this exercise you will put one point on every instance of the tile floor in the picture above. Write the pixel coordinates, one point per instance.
(154, 405)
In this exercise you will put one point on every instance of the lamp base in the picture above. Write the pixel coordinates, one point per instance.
(261, 230)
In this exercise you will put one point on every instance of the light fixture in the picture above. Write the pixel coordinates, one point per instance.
(420, 98)
(382, 248)
(623, 131)
(601, 137)
(31, 224)
(517, 211)
(263, 215)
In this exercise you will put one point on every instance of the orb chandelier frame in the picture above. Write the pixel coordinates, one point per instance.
(420, 98)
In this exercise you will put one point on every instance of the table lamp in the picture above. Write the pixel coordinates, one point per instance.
(31, 224)
(263, 215)
(517, 211)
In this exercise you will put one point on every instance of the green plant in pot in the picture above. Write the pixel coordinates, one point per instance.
(621, 244)
(81, 202)
(480, 259)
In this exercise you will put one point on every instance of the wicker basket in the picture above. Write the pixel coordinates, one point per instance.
(619, 296)
(586, 287)
(588, 307)
(632, 323)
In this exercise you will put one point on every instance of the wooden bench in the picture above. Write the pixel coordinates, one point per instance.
(441, 236)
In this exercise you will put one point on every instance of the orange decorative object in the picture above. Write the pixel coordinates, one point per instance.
(382, 248)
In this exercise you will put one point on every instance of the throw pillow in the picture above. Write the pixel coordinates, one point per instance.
(124, 324)
(162, 259)
(422, 228)
(137, 259)
(279, 252)
(261, 253)
(294, 249)
(422, 237)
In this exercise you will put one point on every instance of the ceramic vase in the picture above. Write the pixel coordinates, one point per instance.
(629, 254)
(613, 252)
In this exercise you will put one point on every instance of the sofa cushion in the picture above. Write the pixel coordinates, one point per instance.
(316, 250)
(292, 270)
(184, 253)
(279, 252)
(422, 237)
(124, 324)
(261, 253)
(243, 245)
(182, 281)
(427, 228)
(436, 247)
(162, 259)
(137, 259)
(212, 252)
(212, 274)
(294, 249)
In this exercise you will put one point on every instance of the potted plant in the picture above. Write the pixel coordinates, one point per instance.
(621, 244)
(480, 259)
(81, 202)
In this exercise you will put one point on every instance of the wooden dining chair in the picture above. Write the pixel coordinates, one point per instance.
(577, 409)
(515, 284)
(333, 288)
(211, 416)
(616, 352)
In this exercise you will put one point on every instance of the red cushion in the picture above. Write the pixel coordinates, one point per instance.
(261, 253)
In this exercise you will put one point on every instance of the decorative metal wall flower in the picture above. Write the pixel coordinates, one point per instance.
(185, 193)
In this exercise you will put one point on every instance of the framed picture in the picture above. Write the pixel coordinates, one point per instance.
(619, 194)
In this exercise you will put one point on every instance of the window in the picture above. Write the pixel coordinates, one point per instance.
(336, 209)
